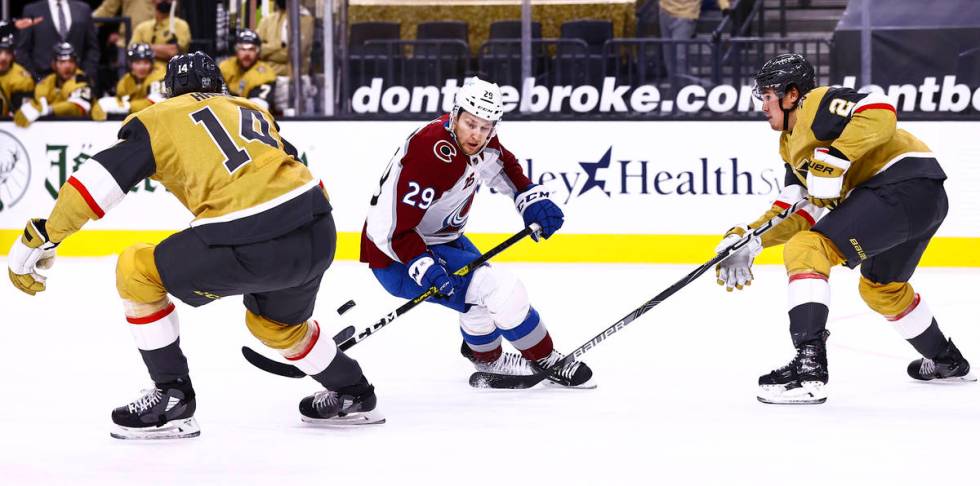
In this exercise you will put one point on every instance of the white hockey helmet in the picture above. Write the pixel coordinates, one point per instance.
(479, 98)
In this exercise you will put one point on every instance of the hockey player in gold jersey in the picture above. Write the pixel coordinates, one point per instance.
(882, 191)
(262, 228)
(63, 93)
(247, 76)
(141, 87)
(16, 83)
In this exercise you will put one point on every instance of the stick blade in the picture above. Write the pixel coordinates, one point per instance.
(482, 379)
(270, 365)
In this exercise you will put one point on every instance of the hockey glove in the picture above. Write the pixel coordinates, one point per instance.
(112, 105)
(535, 207)
(825, 178)
(29, 253)
(427, 272)
(30, 111)
(735, 271)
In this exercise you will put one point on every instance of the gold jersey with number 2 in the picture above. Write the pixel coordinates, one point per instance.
(221, 156)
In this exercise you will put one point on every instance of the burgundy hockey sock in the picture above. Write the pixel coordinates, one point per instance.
(487, 356)
(540, 350)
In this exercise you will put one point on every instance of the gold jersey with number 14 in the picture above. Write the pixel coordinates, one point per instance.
(221, 156)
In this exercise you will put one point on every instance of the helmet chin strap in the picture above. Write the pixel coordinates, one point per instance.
(785, 115)
(786, 112)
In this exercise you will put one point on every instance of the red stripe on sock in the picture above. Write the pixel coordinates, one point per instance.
(781, 204)
(908, 310)
(805, 276)
(156, 316)
(94, 206)
(309, 347)
(540, 350)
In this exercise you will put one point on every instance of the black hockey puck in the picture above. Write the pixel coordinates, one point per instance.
(346, 307)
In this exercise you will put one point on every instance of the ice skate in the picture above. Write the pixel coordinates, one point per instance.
(352, 405)
(801, 382)
(163, 412)
(506, 364)
(571, 374)
(949, 366)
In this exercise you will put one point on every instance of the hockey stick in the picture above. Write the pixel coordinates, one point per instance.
(482, 379)
(348, 337)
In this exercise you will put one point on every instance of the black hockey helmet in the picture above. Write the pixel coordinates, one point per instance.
(139, 50)
(192, 73)
(248, 36)
(63, 51)
(783, 71)
(7, 43)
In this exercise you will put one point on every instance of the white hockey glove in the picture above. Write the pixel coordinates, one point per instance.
(28, 254)
(115, 106)
(825, 178)
(156, 97)
(735, 272)
(30, 111)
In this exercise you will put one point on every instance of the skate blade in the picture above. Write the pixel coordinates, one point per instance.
(176, 429)
(967, 378)
(810, 393)
(350, 420)
(589, 385)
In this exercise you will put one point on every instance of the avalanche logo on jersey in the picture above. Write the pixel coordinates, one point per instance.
(455, 221)
(444, 151)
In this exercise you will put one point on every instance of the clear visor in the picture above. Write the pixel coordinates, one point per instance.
(760, 89)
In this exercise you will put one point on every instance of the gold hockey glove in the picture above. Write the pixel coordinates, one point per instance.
(29, 253)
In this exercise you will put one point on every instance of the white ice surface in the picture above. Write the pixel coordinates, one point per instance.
(675, 403)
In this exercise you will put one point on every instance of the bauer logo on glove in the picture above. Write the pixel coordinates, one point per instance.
(825, 177)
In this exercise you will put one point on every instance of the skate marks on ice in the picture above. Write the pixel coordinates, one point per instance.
(677, 393)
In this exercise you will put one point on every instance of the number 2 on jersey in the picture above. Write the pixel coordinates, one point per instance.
(235, 156)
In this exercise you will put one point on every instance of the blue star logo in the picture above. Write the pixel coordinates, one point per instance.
(590, 168)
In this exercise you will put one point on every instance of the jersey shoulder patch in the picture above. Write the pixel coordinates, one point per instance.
(432, 152)
(434, 142)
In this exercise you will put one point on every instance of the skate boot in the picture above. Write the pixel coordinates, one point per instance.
(950, 365)
(802, 381)
(571, 374)
(350, 405)
(506, 364)
(163, 412)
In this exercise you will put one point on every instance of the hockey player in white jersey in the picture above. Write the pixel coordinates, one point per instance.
(413, 237)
